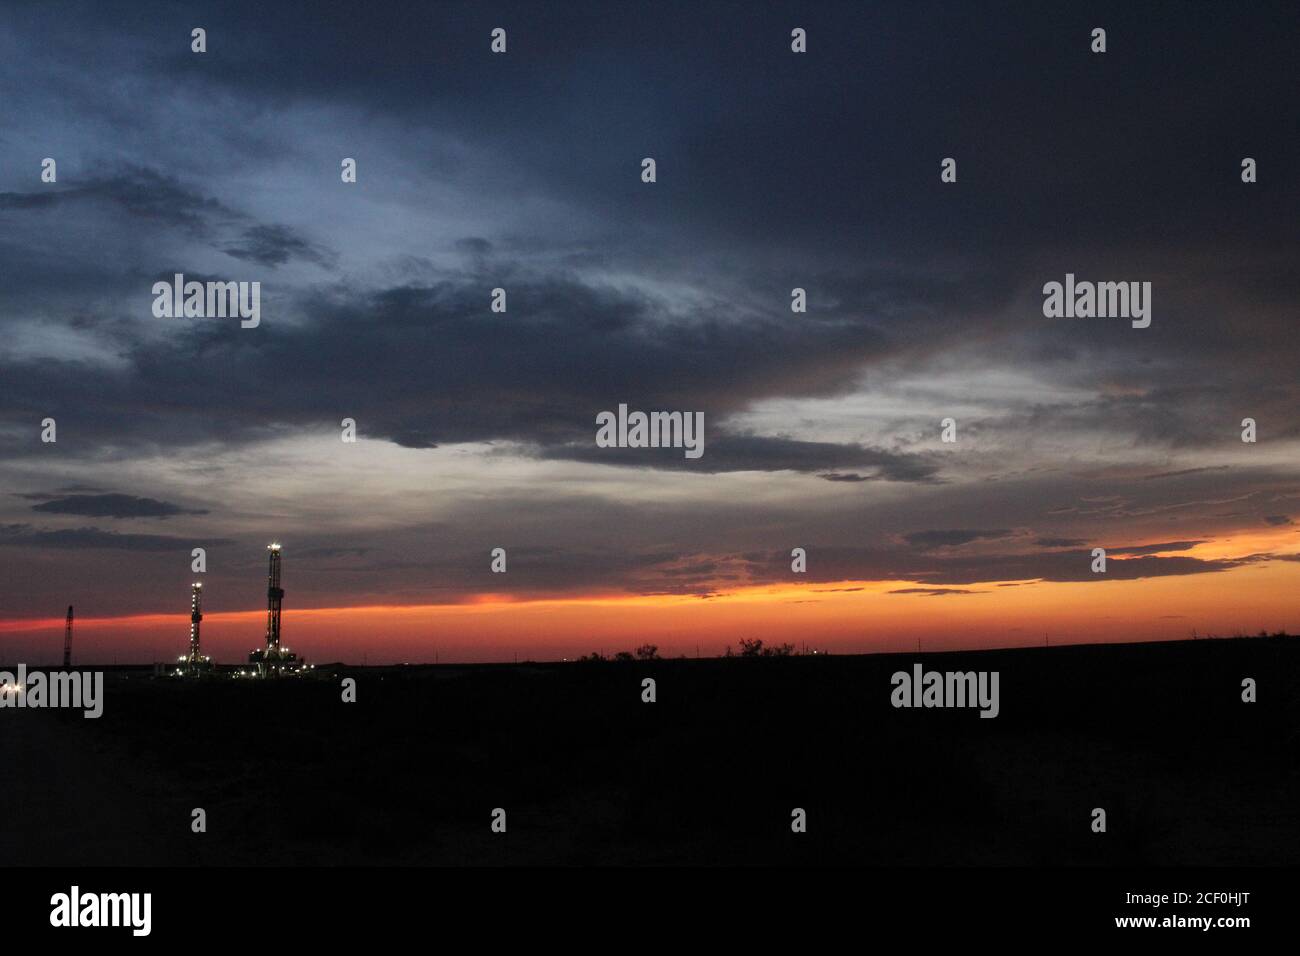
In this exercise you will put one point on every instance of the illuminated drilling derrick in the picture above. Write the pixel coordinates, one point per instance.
(274, 595)
(274, 659)
(67, 639)
(194, 663)
(196, 615)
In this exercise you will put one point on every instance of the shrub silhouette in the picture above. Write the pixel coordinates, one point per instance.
(755, 648)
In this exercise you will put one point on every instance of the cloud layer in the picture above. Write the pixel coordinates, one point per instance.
(521, 172)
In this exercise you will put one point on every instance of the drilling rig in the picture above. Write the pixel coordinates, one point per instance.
(274, 597)
(274, 659)
(196, 615)
(67, 639)
(195, 664)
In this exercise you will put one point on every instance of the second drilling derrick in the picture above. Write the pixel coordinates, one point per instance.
(67, 639)
(196, 615)
(274, 658)
(274, 596)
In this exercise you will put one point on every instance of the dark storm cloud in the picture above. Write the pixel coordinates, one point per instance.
(274, 246)
(740, 124)
(546, 571)
(761, 453)
(1156, 548)
(1060, 542)
(933, 592)
(585, 569)
(743, 128)
(138, 193)
(112, 506)
(25, 536)
(142, 197)
(582, 569)
(840, 563)
(574, 89)
(941, 539)
(424, 366)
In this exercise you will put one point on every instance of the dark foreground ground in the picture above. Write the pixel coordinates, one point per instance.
(1156, 734)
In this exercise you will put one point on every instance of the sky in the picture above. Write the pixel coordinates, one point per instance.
(523, 171)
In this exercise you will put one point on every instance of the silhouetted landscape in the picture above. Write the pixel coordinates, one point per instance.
(1157, 734)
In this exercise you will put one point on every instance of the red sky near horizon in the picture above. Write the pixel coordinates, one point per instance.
(841, 617)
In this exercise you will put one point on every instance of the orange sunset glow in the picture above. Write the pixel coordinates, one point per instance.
(842, 617)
